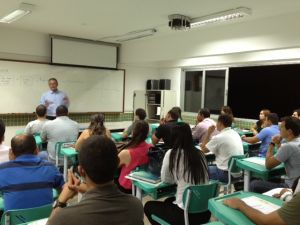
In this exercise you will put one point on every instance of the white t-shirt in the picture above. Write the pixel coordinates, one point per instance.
(224, 145)
(35, 126)
(4, 153)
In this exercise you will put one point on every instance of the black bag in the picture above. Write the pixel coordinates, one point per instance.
(156, 155)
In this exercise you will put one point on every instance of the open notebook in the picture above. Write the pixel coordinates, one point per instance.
(260, 204)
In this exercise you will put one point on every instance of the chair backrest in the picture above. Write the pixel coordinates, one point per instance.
(18, 216)
(232, 167)
(195, 198)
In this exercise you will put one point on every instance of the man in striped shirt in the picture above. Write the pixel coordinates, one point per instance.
(27, 181)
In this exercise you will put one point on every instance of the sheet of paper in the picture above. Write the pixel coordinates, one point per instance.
(39, 222)
(257, 160)
(273, 191)
(260, 204)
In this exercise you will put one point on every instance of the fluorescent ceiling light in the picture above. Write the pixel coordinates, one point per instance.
(23, 10)
(136, 35)
(221, 16)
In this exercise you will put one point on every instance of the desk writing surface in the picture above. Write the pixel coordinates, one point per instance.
(231, 216)
(260, 170)
(68, 151)
(117, 136)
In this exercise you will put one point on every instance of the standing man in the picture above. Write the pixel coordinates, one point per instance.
(54, 98)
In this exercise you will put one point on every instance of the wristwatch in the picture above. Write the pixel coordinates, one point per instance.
(59, 204)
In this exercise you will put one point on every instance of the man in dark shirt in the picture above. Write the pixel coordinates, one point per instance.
(164, 131)
(102, 202)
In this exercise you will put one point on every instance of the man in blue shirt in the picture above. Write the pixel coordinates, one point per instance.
(266, 134)
(53, 98)
(27, 181)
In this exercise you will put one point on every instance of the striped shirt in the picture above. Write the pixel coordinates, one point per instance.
(28, 181)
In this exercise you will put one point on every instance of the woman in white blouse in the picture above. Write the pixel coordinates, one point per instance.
(183, 165)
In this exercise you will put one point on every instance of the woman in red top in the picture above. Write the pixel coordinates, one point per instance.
(134, 154)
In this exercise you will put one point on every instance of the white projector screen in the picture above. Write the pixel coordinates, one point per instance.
(71, 51)
(89, 89)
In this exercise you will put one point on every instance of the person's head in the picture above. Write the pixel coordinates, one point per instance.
(195, 165)
(224, 121)
(202, 114)
(62, 110)
(178, 110)
(263, 114)
(98, 159)
(228, 111)
(272, 119)
(140, 114)
(172, 115)
(289, 127)
(296, 113)
(53, 83)
(41, 110)
(23, 144)
(139, 133)
(2, 130)
(97, 124)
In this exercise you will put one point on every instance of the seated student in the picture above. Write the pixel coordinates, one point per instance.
(35, 127)
(266, 134)
(27, 181)
(62, 129)
(184, 166)
(288, 153)
(102, 202)
(288, 214)
(164, 131)
(260, 124)
(224, 145)
(296, 113)
(226, 110)
(134, 154)
(96, 127)
(140, 114)
(3, 148)
(203, 123)
(178, 110)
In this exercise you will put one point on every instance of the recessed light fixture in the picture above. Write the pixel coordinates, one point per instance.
(221, 16)
(23, 10)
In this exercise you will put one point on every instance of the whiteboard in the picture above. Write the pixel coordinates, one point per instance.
(89, 90)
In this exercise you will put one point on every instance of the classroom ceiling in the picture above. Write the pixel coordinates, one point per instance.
(95, 19)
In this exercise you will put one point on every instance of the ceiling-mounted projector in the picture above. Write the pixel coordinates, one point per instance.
(179, 22)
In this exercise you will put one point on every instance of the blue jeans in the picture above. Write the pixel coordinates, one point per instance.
(216, 174)
(261, 186)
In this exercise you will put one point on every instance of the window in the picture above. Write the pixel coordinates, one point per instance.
(205, 88)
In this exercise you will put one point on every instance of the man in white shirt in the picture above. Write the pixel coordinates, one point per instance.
(35, 126)
(3, 148)
(224, 145)
(54, 98)
(203, 123)
(62, 129)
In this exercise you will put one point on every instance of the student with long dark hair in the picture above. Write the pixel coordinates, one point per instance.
(185, 166)
(134, 154)
(96, 127)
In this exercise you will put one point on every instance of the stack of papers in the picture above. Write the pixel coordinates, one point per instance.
(256, 160)
(260, 204)
(144, 176)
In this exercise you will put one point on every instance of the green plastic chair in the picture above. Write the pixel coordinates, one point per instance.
(19, 216)
(232, 169)
(58, 147)
(195, 200)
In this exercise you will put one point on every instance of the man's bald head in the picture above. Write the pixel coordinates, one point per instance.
(23, 144)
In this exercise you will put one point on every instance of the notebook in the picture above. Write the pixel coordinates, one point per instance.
(260, 204)
(145, 176)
